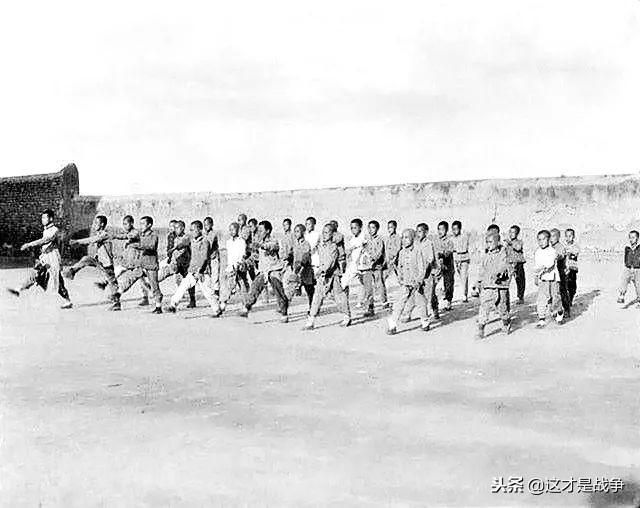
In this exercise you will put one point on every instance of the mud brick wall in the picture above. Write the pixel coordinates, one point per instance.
(600, 208)
(22, 200)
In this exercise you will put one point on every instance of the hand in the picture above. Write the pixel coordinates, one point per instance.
(73, 242)
(200, 277)
(24, 247)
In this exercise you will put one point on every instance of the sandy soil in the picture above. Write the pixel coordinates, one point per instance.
(132, 409)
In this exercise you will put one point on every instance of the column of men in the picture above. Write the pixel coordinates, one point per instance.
(323, 262)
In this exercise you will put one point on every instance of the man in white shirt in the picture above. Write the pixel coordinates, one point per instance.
(47, 272)
(312, 236)
(547, 278)
(235, 273)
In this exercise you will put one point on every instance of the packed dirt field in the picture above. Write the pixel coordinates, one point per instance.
(134, 409)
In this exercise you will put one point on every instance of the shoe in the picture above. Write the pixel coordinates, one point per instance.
(620, 300)
(465, 300)
(506, 327)
(436, 315)
(559, 317)
(157, 310)
(392, 330)
(68, 273)
(541, 323)
(345, 322)
(217, 314)
(13, 292)
(115, 306)
(386, 305)
(192, 305)
(307, 326)
(67, 305)
(425, 328)
(244, 312)
(480, 332)
(169, 308)
(447, 305)
(143, 302)
(369, 313)
(100, 285)
(284, 319)
(223, 307)
(520, 301)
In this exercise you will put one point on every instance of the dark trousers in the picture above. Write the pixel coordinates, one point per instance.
(518, 275)
(107, 271)
(448, 282)
(129, 278)
(260, 283)
(39, 275)
(564, 292)
(572, 285)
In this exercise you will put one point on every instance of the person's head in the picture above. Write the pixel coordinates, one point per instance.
(327, 233)
(264, 228)
(242, 220)
(298, 231)
(493, 228)
(47, 217)
(286, 225)
(234, 229)
(172, 225)
(492, 241)
(456, 227)
(554, 236)
(253, 225)
(99, 223)
(514, 232)
(334, 223)
(196, 229)
(245, 233)
(421, 231)
(392, 227)
(569, 235)
(208, 224)
(310, 223)
(373, 227)
(543, 238)
(146, 222)
(443, 228)
(356, 227)
(633, 237)
(180, 227)
(408, 236)
(127, 223)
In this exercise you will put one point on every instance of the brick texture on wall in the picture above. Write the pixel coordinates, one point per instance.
(22, 200)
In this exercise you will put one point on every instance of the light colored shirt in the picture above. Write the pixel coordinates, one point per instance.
(545, 264)
(460, 247)
(236, 249)
(50, 233)
(313, 237)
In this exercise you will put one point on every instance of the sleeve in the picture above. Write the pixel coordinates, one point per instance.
(100, 237)
(304, 258)
(328, 261)
(148, 242)
(421, 266)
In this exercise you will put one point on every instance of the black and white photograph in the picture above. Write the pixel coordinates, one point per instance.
(343, 253)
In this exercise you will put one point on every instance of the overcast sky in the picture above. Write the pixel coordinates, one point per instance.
(262, 95)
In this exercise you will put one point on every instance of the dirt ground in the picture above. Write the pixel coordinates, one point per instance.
(133, 409)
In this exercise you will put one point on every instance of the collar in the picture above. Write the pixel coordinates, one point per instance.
(50, 225)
